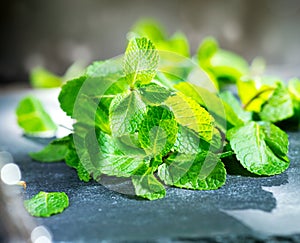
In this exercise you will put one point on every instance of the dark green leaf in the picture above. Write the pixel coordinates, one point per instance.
(147, 186)
(278, 107)
(54, 151)
(256, 149)
(158, 131)
(203, 171)
(126, 112)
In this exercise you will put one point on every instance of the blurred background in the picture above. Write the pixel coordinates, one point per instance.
(55, 33)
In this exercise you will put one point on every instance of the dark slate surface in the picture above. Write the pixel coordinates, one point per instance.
(246, 209)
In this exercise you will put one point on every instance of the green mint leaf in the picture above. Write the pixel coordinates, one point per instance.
(54, 151)
(189, 142)
(33, 118)
(278, 107)
(178, 43)
(294, 88)
(206, 50)
(236, 110)
(158, 131)
(140, 61)
(115, 161)
(147, 186)
(276, 139)
(154, 94)
(45, 204)
(68, 94)
(222, 64)
(259, 90)
(111, 67)
(42, 78)
(72, 159)
(189, 113)
(223, 114)
(203, 171)
(150, 29)
(126, 112)
(255, 149)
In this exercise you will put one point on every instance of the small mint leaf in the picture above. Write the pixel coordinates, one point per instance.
(140, 61)
(45, 204)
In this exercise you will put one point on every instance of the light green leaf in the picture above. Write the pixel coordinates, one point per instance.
(147, 186)
(236, 107)
(111, 67)
(189, 142)
(54, 151)
(294, 88)
(117, 161)
(150, 29)
(42, 78)
(189, 113)
(256, 149)
(68, 94)
(178, 43)
(223, 65)
(158, 131)
(45, 204)
(140, 61)
(126, 112)
(278, 107)
(33, 118)
(203, 171)
(223, 114)
(259, 90)
(154, 94)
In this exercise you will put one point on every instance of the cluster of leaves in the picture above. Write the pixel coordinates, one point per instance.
(136, 121)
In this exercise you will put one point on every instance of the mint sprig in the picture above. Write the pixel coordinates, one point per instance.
(134, 121)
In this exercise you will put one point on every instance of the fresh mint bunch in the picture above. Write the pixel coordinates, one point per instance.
(132, 122)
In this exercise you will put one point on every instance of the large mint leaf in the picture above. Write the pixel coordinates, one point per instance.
(147, 186)
(276, 139)
(223, 114)
(126, 112)
(203, 171)
(45, 204)
(278, 107)
(189, 113)
(158, 131)
(189, 142)
(115, 160)
(154, 94)
(33, 118)
(140, 61)
(255, 147)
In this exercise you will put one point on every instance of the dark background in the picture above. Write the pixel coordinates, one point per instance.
(55, 33)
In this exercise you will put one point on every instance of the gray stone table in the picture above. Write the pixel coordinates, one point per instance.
(246, 209)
